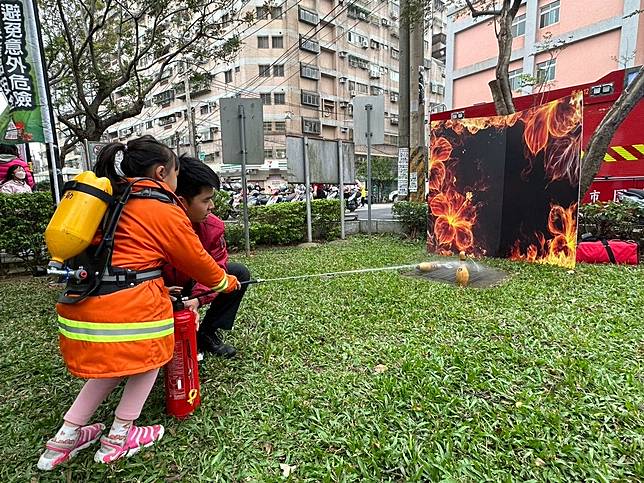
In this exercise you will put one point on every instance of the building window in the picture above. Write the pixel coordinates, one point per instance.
(308, 16)
(279, 99)
(264, 70)
(309, 45)
(266, 99)
(204, 109)
(276, 12)
(278, 71)
(394, 76)
(549, 14)
(546, 71)
(148, 124)
(280, 126)
(311, 126)
(261, 13)
(228, 76)
(278, 42)
(518, 26)
(357, 39)
(268, 126)
(357, 12)
(309, 71)
(395, 53)
(310, 99)
(164, 97)
(514, 76)
(164, 121)
(268, 154)
(362, 88)
(237, 70)
(205, 135)
(262, 42)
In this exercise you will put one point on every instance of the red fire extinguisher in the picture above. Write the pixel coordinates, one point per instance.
(182, 394)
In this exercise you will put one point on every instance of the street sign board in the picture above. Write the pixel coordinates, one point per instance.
(377, 121)
(403, 171)
(323, 160)
(231, 130)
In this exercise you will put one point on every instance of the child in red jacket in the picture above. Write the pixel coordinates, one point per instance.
(195, 188)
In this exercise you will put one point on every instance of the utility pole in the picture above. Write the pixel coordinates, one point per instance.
(190, 115)
(403, 107)
(177, 141)
(417, 164)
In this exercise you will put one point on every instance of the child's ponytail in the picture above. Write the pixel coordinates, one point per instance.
(117, 161)
(106, 165)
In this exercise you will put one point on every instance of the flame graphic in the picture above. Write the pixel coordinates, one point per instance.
(555, 129)
(558, 250)
(455, 217)
(561, 121)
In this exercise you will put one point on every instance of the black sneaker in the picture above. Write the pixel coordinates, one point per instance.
(214, 344)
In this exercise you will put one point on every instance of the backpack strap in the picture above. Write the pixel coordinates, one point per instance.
(609, 250)
(90, 190)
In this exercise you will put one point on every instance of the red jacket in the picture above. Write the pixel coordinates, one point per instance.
(211, 234)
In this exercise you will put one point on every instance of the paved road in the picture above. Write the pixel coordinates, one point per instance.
(378, 212)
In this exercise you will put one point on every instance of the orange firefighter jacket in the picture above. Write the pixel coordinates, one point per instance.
(131, 331)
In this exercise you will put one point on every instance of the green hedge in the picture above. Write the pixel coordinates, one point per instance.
(285, 224)
(413, 217)
(23, 219)
(610, 220)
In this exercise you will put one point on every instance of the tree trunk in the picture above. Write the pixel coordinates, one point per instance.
(500, 86)
(602, 136)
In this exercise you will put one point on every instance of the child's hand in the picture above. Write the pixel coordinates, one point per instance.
(193, 305)
(233, 284)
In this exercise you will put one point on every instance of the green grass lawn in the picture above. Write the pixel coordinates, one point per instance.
(372, 377)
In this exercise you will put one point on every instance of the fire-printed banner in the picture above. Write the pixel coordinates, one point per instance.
(507, 186)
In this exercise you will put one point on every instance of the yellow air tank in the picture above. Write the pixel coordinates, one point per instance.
(75, 221)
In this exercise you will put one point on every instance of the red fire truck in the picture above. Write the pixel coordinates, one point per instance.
(623, 165)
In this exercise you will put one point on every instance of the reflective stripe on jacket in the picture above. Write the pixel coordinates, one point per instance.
(131, 331)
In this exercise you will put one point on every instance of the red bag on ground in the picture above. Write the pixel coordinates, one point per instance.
(607, 251)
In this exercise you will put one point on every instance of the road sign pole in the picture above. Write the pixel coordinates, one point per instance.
(369, 109)
(307, 184)
(242, 133)
(341, 192)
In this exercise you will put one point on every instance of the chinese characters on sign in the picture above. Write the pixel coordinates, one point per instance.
(15, 78)
(403, 171)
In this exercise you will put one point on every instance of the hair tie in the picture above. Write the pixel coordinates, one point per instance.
(118, 159)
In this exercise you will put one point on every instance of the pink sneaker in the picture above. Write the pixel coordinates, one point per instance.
(137, 438)
(57, 453)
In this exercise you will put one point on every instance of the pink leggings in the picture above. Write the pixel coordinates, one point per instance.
(136, 392)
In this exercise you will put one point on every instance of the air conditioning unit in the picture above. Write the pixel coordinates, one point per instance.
(342, 54)
(343, 104)
(344, 129)
(385, 22)
(353, 93)
(212, 103)
(342, 80)
(393, 97)
(364, 44)
(138, 131)
(215, 129)
(362, 16)
(374, 73)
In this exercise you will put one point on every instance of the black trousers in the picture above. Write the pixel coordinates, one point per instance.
(223, 310)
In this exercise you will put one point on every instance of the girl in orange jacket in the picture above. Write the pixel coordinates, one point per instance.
(126, 330)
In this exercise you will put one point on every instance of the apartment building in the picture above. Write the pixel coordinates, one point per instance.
(306, 60)
(598, 36)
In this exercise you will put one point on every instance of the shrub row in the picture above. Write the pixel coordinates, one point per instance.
(24, 217)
